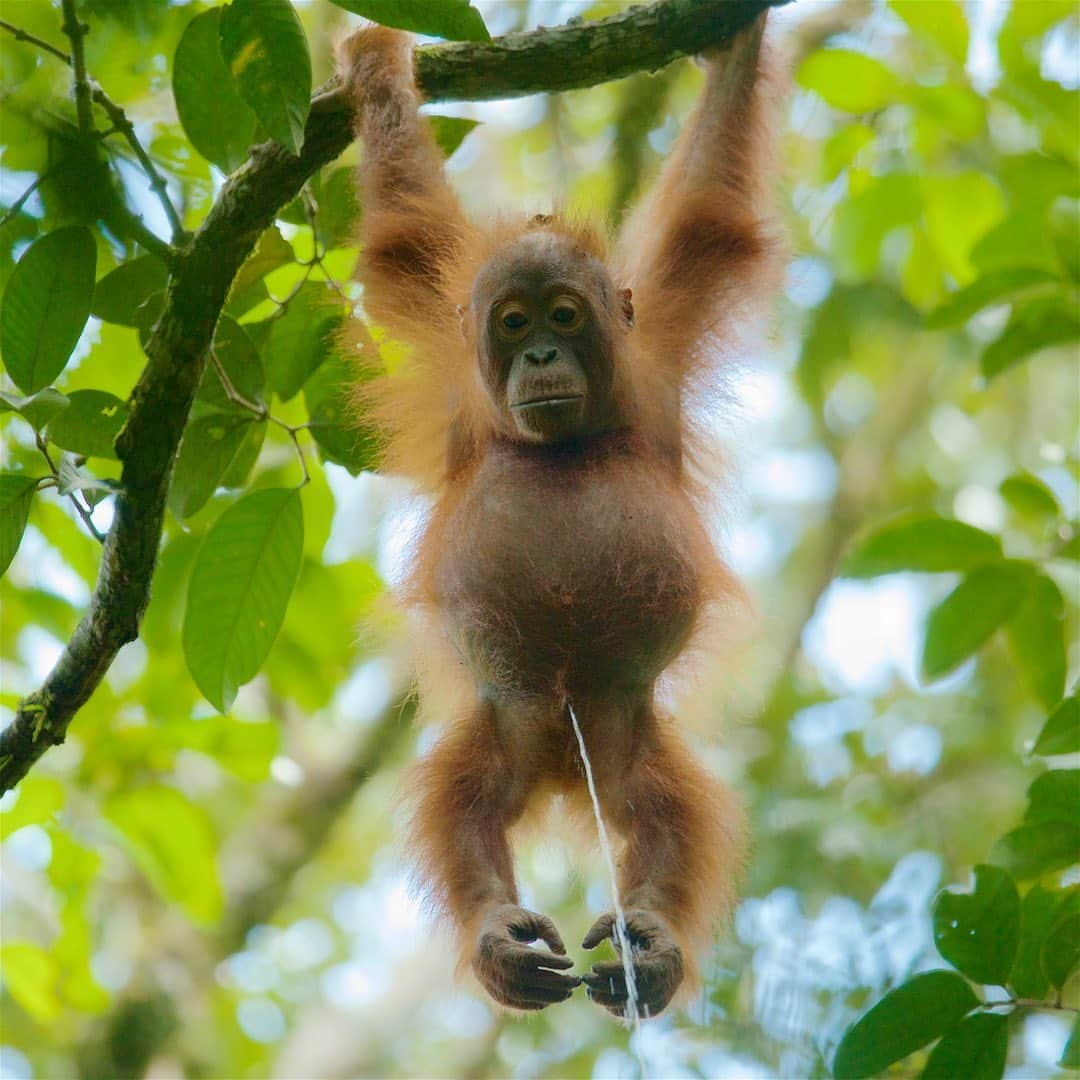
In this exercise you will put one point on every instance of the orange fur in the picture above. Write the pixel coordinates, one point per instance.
(559, 576)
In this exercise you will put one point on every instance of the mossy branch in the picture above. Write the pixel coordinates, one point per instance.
(202, 268)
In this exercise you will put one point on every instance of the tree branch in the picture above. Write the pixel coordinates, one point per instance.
(203, 269)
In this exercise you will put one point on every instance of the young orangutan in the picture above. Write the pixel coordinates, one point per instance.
(565, 559)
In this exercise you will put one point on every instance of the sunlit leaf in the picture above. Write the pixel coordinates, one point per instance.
(996, 286)
(120, 294)
(216, 119)
(38, 409)
(1037, 643)
(264, 47)
(46, 305)
(977, 932)
(921, 542)
(975, 1049)
(456, 20)
(30, 976)
(239, 590)
(40, 797)
(959, 209)
(90, 423)
(967, 617)
(850, 81)
(1028, 494)
(16, 494)
(450, 131)
(942, 22)
(1033, 850)
(841, 149)
(272, 251)
(1034, 326)
(172, 841)
(1061, 733)
(864, 220)
(1064, 221)
(904, 1020)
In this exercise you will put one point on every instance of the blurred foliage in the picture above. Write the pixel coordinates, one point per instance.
(218, 894)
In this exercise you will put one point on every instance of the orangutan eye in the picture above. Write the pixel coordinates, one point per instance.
(512, 320)
(567, 313)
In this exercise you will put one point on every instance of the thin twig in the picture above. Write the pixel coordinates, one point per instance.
(124, 126)
(263, 413)
(32, 39)
(75, 32)
(18, 204)
(121, 125)
(83, 511)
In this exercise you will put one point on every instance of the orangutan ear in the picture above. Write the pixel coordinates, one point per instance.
(626, 305)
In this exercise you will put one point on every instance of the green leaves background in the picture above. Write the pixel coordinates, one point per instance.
(919, 397)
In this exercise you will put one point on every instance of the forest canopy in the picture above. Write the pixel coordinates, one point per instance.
(206, 686)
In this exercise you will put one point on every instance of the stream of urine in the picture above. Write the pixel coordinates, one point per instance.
(633, 1014)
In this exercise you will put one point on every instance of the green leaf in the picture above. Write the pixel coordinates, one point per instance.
(1034, 326)
(1070, 1058)
(338, 209)
(209, 447)
(450, 131)
(334, 424)
(172, 841)
(120, 294)
(240, 588)
(238, 357)
(75, 478)
(215, 118)
(942, 22)
(1054, 796)
(40, 798)
(975, 1049)
(967, 617)
(39, 408)
(1064, 225)
(1036, 634)
(300, 339)
(1037, 913)
(46, 305)
(1033, 850)
(16, 494)
(1061, 732)
(456, 20)
(90, 423)
(1028, 495)
(959, 209)
(921, 542)
(864, 220)
(272, 251)
(905, 1019)
(30, 976)
(977, 932)
(993, 287)
(1061, 950)
(263, 45)
(850, 81)
(841, 149)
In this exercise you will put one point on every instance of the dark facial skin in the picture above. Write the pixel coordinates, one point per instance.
(546, 339)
